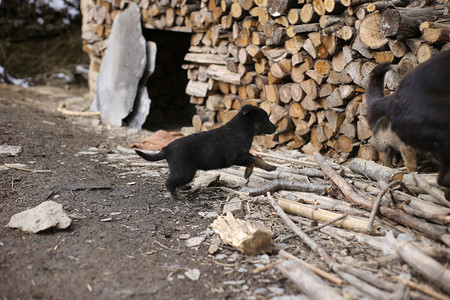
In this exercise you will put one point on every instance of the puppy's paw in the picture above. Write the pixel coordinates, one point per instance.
(248, 172)
(270, 168)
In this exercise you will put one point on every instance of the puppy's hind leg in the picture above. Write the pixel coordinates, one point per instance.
(410, 158)
(179, 177)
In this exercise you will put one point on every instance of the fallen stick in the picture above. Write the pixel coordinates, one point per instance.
(291, 185)
(325, 224)
(61, 108)
(434, 231)
(425, 265)
(314, 213)
(424, 288)
(377, 203)
(326, 202)
(267, 267)
(374, 171)
(368, 277)
(308, 282)
(435, 218)
(309, 241)
(320, 272)
(420, 204)
(363, 286)
(12, 166)
(433, 191)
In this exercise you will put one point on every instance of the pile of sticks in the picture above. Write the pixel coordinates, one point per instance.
(372, 204)
(305, 62)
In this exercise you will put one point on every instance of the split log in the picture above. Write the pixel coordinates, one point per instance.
(370, 32)
(405, 22)
(308, 15)
(249, 237)
(221, 73)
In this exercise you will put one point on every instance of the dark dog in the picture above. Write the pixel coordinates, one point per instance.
(419, 110)
(387, 141)
(215, 149)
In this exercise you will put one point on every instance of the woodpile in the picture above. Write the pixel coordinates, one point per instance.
(305, 62)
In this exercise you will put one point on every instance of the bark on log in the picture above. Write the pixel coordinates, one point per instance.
(405, 22)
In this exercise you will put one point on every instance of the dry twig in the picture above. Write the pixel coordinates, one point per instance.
(424, 288)
(320, 272)
(433, 191)
(436, 232)
(12, 166)
(376, 205)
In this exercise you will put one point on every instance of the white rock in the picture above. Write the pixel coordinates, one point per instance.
(195, 241)
(46, 215)
(193, 274)
(233, 206)
(8, 150)
(208, 214)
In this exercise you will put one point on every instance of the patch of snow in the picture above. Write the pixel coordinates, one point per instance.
(69, 5)
(10, 79)
(81, 69)
(62, 76)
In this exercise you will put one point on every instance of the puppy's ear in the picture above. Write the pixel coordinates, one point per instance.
(246, 109)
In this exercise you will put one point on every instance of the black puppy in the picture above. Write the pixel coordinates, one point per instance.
(215, 149)
(419, 110)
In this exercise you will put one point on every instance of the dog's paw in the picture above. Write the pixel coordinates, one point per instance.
(248, 172)
(270, 168)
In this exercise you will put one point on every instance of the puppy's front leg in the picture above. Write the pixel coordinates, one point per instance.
(260, 163)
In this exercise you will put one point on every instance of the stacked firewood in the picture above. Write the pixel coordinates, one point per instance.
(305, 62)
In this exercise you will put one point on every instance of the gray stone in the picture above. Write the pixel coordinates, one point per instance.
(195, 241)
(46, 215)
(122, 67)
(8, 150)
(193, 274)
(141, 107)
(234, 206)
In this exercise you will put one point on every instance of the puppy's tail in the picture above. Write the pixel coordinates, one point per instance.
(378, 104)
(151, 157)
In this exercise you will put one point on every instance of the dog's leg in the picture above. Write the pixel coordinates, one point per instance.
(388, 156)
(178, 177)
(248, 172)
(409, 156)
(260, 163)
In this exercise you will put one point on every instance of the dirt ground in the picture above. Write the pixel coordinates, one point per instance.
(127, 238)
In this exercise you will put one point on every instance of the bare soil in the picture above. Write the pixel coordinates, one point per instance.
(127, 238)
